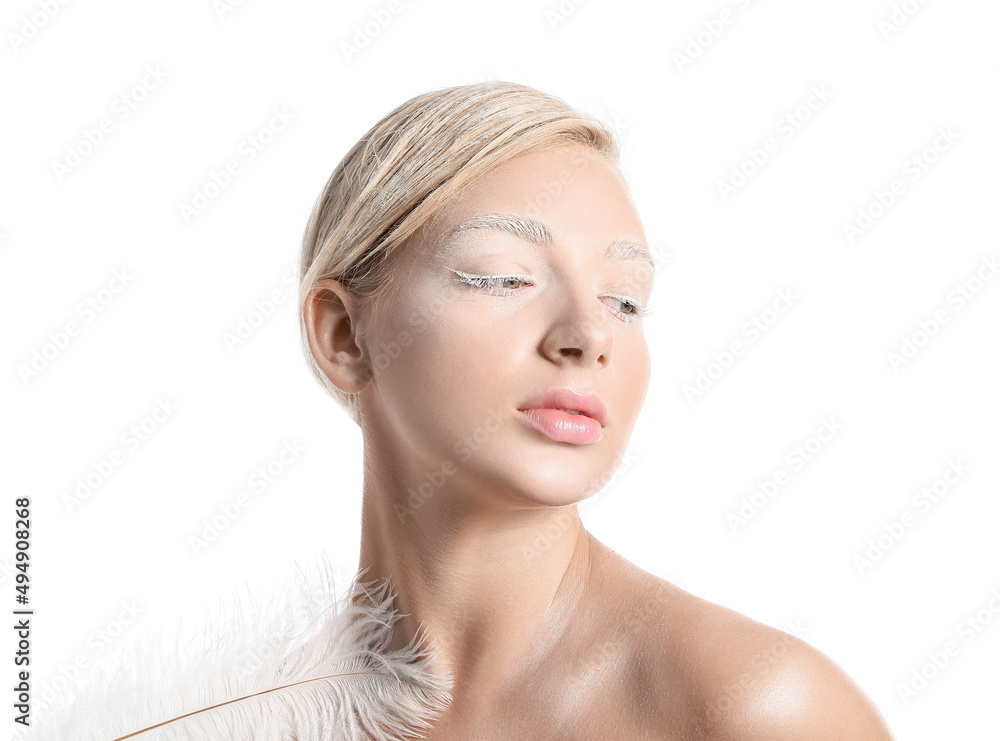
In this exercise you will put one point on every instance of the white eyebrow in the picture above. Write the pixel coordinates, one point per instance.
(538, 233)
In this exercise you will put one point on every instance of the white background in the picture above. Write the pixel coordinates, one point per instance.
(684, 127)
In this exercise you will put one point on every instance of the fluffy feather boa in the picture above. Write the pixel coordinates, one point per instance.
(301, 667)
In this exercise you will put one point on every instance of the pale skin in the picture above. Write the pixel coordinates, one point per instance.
(548, 633)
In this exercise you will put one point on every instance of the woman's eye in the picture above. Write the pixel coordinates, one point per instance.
(508, 285)
(501, 284)
(631, 309)
(510, 282)
(495, 284)
(628, 307)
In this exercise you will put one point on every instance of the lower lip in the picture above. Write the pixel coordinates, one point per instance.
(564, 427)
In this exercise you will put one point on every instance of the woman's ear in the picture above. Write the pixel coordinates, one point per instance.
(331, 316)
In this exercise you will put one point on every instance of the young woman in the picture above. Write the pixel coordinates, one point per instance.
(474, 277)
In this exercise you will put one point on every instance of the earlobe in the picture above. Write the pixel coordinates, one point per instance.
(330, 315)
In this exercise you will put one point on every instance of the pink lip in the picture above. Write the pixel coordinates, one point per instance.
(543, 413)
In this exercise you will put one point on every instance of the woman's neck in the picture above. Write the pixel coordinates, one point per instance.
(495, 586)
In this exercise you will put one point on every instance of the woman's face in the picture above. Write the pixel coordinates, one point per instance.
(457, 354)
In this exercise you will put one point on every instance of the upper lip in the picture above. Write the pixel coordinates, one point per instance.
(564, 398)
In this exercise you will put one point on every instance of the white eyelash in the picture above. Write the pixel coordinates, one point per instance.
(640, 310)
(488, 281)
(491, 282)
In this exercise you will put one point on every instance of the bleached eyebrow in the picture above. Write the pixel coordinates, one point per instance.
(538, 233)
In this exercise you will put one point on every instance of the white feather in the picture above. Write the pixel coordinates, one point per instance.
(303, 667)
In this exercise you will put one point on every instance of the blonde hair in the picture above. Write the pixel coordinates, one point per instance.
(408, 166)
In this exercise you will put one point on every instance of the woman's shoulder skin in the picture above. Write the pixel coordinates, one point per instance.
(692, 669)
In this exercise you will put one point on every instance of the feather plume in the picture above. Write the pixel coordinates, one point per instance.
(299, 668)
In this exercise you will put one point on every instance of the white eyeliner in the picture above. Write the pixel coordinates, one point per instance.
(491, 281)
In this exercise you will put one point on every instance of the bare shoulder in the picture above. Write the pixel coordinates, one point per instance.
(704, 671)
